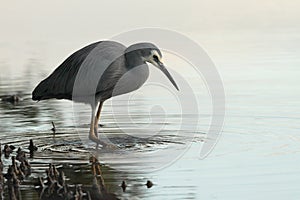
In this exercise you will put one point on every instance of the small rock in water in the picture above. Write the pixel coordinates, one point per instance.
(149, 184)
(11, 98)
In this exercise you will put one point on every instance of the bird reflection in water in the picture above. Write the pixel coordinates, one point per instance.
(55, 186)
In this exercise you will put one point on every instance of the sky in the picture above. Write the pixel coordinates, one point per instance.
(39, 20)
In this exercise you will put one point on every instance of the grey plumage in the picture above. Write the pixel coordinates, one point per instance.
(99, 71)
(57, 85)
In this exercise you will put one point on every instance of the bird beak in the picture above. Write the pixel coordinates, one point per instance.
(161, 66)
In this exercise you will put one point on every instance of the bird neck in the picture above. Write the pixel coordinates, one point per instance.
(133, 60)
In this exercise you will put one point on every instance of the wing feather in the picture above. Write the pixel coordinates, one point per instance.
(80, 73)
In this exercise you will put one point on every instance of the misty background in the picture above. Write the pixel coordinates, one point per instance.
(51, 30)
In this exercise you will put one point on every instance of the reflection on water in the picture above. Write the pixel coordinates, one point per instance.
(66, 153)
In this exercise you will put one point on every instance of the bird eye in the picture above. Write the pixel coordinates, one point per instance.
(155, 57)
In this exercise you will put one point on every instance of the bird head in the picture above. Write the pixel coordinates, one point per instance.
(151, 54)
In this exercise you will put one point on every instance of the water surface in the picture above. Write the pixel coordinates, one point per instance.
(257, 156)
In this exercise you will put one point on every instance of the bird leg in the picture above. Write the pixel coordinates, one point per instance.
(97, 118)
(93, 135)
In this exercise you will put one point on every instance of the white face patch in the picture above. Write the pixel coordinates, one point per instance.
(154, 52)
(151, 60)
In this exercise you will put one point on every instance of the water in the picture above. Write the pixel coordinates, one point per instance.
(257, 156)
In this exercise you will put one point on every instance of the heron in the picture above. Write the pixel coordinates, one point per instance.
(99, 71)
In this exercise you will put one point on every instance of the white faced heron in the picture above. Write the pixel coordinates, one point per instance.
(98, 72)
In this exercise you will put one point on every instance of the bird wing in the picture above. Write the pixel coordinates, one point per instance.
(100, 70)
(80, 73)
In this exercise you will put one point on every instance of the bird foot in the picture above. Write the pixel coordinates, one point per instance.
(104, 145)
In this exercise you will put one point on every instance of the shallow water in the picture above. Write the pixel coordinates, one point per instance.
(257, 156)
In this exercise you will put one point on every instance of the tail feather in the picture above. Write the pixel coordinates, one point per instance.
(48, 90)
(41, 91)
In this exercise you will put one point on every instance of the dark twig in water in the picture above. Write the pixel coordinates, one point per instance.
(41, 183)
(55, 172)
(13, 183)
(53, 129)
(98, 189)
(56, 187)
(16, 172)
(123, 186)
(21, 155)
(1, 164)
(8, 150)
(1, 176)
(79, 194)
(32, 148)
